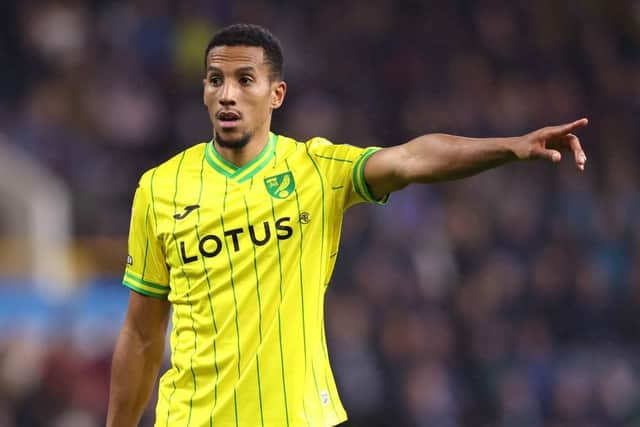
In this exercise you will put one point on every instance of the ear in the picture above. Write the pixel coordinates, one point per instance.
(278, 92)
(204, 91)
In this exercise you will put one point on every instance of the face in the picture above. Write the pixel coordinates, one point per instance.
(239, 94)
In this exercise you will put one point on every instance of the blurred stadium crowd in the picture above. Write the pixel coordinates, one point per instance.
(507, 299)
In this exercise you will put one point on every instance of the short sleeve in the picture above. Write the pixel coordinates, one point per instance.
(146, 271)
(343, 166)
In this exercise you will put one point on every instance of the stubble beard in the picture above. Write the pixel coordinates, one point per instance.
(234, 144)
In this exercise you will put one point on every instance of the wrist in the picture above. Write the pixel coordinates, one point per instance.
(514, 148)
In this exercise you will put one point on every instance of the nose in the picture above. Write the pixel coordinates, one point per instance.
(228, 94)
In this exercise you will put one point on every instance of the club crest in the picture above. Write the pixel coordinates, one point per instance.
(280, 186)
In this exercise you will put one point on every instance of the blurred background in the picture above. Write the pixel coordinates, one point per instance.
(507, 299)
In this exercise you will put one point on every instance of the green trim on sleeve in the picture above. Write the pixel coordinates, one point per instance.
(143, 291)
(359, 182)
(139, 281)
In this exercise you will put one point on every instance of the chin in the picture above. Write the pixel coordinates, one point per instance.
(235, 140)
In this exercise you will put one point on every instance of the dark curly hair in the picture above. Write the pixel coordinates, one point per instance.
(250, 35)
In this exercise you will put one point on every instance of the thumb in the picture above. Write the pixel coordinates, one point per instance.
(551, 155)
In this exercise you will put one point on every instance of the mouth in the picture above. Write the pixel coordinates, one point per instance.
(228, 119)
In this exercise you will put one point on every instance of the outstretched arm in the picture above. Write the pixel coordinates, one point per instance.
(136, 359)
(439, 157)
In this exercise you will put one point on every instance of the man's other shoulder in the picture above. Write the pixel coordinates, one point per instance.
(184, 160)
(319, 144)
(323, 148)
(312, 142)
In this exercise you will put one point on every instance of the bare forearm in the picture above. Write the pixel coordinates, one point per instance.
(135, 366)
(439, 157)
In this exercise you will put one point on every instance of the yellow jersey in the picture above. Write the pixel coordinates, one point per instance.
(244, 255)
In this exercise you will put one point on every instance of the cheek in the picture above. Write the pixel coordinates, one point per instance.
(261, 103)
(208, 97)
(265, 108)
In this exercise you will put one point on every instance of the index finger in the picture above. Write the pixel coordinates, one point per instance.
(567, 127)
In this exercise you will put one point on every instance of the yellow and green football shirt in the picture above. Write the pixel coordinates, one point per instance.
(245, 254)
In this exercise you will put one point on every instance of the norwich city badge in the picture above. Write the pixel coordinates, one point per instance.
(280, 186)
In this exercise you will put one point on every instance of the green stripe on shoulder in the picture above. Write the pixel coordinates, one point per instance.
(153, 199)
(320, 156)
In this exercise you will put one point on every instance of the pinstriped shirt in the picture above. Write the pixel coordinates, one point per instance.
(244, 255)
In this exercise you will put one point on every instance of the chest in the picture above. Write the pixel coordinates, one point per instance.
(210, 217)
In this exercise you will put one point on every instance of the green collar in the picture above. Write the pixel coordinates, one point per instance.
(247, 171)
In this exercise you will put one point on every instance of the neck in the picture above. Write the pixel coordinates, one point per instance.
(242, 156)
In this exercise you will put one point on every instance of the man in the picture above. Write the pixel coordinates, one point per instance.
(240, 236)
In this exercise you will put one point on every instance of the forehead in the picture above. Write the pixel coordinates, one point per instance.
(235, 57)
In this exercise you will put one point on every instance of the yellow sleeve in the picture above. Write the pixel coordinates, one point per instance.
(146, 271)
(343, 166)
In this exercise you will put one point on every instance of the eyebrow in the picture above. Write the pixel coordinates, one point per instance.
(241, 70)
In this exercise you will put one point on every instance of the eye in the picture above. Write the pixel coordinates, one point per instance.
(215, 80)
(245, 80)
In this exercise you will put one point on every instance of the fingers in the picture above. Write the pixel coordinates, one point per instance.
(565, 129)
(559, 137)
(548, 154)
(552, 153)
(578, 153)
